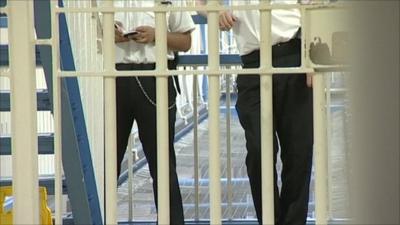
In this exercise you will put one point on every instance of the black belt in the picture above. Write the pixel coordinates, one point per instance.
(278, 50)
(151, 66)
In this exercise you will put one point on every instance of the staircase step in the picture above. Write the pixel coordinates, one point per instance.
(4, 59)
(46, 146)
(225, 59)
(3, 21)
(43, 101)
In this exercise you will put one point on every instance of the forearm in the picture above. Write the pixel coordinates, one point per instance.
(179, 41)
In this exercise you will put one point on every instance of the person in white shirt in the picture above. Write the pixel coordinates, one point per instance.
(136, 96)
(292, 108)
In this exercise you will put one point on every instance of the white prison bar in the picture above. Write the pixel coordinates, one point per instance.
(211, 71)
(196, 147)
(320, 149)
(228, 143)
(162, 117)
(316, 6)
(56, 115)
(188, 72)
(131, 144)
(110, 127)
(267, 134)
(328, 133)
(305, 58)
(23, 113)
(319, 123)
(213, 123)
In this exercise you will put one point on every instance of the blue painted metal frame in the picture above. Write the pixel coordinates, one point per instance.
(77, 161)
(199, 19)
(202, 22)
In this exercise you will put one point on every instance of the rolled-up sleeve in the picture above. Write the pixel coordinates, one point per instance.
(180, 21)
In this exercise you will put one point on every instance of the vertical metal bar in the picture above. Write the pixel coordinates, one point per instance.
(328, 142)
(321, 174)
(228, 144)
(320, 138)
(110, 118)
(196, 147)
(130, 177)
(214, 136)
(266, 118)
(23, 113)
(304, 37)
(56, 113)
(185, 90)
(162, 118)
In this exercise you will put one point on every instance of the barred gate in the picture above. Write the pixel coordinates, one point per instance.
(21, 36)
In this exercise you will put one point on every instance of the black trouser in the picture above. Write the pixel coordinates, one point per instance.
(293, 126)
(133, 105)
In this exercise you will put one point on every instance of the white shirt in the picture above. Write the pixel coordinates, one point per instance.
(285, 24)
(132, 52)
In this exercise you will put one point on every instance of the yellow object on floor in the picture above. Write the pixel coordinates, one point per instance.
(6, 217)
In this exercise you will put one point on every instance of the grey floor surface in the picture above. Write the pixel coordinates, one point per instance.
(242, 206)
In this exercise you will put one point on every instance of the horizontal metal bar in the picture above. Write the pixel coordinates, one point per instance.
(200, 8)
(188, 182)
(293, 70)
(330, 68)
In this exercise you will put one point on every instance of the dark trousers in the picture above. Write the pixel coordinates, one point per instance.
(133, 105)
(293, 126)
